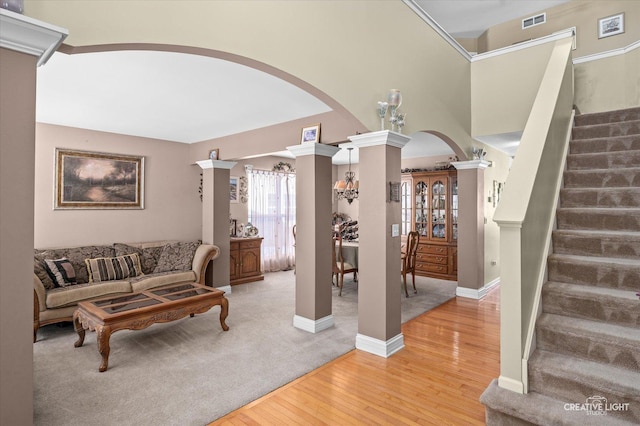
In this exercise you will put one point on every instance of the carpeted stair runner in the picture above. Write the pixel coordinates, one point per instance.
(588, 335)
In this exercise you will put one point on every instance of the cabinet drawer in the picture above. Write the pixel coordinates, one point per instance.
(431, 267)
(432, 258)
(432, 249)
(250, 244)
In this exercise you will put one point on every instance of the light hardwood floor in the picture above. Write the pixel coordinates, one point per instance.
(451, 354)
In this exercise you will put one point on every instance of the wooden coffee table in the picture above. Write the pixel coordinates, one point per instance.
(139, 310)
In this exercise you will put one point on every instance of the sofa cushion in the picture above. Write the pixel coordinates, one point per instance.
(76, 256)
(62, 271)
(177, 256)
(40, 269)
(67, 296)
(146, 282)
(148, 255)
(113, 268)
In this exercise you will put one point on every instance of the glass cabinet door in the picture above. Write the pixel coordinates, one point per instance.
(438, 210)
(454, 208)
(421, 208)
(405, 207)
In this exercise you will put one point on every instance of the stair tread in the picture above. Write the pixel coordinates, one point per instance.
(599, 233)
(601, 153)
(587, 290)
(595, 259)
(601, 209)
(538, 408)
(624, 381)
(605, 331)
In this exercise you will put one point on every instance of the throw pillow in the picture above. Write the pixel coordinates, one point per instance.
(40, 268)
(62, 271)
(148, 256)
(177, 256)
(113, 268)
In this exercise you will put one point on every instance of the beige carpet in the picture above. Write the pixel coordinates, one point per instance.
(190, 372)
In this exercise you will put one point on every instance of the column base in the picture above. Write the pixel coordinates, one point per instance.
(379, 347)
(313, 326)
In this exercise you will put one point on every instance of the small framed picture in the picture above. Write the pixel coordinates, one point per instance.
(311, 134)
(233, 189)
(611, 25)
(214, 154)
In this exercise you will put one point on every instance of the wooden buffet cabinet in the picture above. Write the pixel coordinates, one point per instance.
(430, 207)
(244, 266)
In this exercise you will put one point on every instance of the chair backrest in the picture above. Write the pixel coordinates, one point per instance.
(412, 248)
(336, 254)
(294, 234)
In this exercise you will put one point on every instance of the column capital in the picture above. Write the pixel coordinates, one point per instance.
(313, 148)
(216, 164)
(27, 35)
(382, 137)
(471, 164)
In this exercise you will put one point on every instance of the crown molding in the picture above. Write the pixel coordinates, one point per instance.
(313, 148)
(30, 36)
(216, 164)
(607, 54)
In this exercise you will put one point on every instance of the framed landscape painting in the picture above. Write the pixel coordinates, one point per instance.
(96, 180)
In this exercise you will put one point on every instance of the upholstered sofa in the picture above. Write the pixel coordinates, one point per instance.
(63, 277)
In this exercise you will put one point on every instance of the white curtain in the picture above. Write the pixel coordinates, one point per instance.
(272, 209)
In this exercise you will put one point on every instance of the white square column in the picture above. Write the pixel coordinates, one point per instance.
(379, 315)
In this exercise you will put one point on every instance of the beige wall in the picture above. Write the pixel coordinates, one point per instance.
(433, 76)
(172, 202)
(608, 84)
(17, 115)
(582, 14)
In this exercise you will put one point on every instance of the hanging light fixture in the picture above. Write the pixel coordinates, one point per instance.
(347, 189)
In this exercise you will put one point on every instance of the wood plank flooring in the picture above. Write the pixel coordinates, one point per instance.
(451, 354)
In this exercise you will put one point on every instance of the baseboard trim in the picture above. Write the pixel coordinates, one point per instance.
(313, 326)
(380, 347)
(225, 288)
(473, 293)
(511, 384)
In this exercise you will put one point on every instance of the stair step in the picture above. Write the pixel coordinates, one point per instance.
(610, 272)
(613, 306)
(608, 144)
(622, 128)
(614, 219)
(600, 197)
(595, 341)
(619, 244)
(604, 160)
(602, 178)
(507, 408)
(626, 114)
(577, 380)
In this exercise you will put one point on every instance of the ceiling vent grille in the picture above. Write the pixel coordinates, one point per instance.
(534, 20)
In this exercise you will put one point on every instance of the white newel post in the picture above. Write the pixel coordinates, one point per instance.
(313, 236)
(215, 218)
(379, 314)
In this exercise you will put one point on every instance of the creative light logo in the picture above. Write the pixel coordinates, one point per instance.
(597, 406)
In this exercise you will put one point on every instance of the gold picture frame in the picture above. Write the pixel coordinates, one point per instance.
(98, 180)
(214, 154)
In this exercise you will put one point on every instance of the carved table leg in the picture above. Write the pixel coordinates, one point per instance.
(104, 334)
(79, 329)
(224, 311)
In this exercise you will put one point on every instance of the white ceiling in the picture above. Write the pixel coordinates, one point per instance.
(190, 98)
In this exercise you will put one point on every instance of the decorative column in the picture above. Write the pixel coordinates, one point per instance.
(313, 236)
(215, 218)
(471, 223)
(25, 43)
(379, 315)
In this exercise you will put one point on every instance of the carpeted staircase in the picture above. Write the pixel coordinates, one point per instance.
(588, 335)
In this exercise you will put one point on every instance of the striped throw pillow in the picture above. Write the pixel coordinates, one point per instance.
(113, 268)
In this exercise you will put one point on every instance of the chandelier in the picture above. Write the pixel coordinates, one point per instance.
(347, 189)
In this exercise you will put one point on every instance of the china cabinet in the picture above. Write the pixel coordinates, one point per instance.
(429, 205)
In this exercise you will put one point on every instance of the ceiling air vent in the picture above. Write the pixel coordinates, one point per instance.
(534, 20)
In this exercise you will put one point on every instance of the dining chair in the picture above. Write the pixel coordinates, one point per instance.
(340, 267)
(294, 246)
(409, 260)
